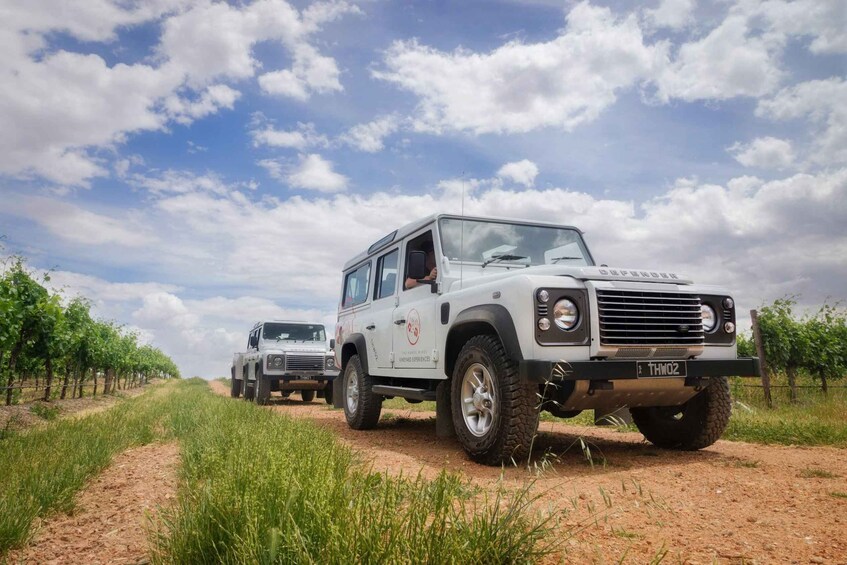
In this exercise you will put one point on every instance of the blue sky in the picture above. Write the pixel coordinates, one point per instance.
(193, 166)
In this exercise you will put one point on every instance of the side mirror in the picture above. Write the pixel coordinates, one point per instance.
(254, 340)
(332, 344)
(417, 265)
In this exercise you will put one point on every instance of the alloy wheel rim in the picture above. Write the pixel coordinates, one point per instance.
(479, 400)
(352, 391)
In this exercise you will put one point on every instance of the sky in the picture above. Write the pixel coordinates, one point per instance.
(193, 166)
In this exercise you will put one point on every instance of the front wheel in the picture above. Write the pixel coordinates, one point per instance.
(361, 405)
(307, 395)
(495, 415)
(698, 423)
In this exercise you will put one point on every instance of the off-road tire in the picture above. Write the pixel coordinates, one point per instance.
(234, 385)
(328, 393)
(263, 388)
(307, 395)
(700, 422)
(516, 418)
(249, 389)
(369, 406)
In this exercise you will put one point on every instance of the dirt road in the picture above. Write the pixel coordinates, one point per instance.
(731, 503)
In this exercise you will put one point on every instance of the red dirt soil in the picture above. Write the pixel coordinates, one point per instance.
(730, 503)
(110, 522)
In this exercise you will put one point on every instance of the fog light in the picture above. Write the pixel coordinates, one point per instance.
(543, 296)
(728, 303)
(729, 327)
(543, 324)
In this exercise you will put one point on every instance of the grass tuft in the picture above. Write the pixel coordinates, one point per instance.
(812, 473)
(259, 487)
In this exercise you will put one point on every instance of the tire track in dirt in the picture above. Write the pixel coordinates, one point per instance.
(733, 502)
(109, 524)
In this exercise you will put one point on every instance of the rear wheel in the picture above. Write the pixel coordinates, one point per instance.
(307, 395)
(361, 405)
(263, 388)
(495, 415)
(234, 385)
(698, 423)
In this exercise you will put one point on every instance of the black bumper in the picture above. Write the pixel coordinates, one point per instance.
(535, 371)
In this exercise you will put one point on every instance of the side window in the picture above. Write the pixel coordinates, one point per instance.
(386, 275)
(356, 286)
(423, 243)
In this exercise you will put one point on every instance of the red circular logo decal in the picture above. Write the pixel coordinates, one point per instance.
(413, 326)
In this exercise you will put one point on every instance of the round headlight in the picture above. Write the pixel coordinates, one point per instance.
(330, 362)
(710, 319)
(543, 296)
(543, 324)
(565, 314)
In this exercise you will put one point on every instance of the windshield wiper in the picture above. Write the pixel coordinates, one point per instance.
(557, 259)
(504, 257)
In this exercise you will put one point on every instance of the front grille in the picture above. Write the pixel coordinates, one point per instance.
(304, 362)
(629, 317)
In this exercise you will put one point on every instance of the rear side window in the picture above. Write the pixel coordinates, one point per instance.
(356, 286)
(386, 274)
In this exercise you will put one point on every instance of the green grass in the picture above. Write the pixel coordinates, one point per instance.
(42, 469)
(45, 411)
(814, 420)
(812, 473)
(838, 494)
(258, 487)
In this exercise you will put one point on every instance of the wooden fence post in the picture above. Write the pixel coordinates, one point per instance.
(763, 363)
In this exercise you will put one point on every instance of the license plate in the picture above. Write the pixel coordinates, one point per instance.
(661, 369)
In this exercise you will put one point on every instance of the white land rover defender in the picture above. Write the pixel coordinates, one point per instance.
(286, 357)
(498, 319)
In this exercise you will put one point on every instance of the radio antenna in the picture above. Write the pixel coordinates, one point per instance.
(462, 237)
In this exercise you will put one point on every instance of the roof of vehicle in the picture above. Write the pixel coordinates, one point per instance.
(257, 324)
(418, 224)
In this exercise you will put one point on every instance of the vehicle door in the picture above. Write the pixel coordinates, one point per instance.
(379, 328)
(354, 314)
(414, 318)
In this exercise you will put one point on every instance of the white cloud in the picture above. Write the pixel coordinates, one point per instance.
(58, 107)
(672, 14)
(822, 103)
(520, 172)
(100, 290)
(213, 99)
(731, 60)
(180, 182)
(316, 173)
(823, 20)
(303, 137)
(520, 87)
(764, 153)
(80, 226)
(369, 137)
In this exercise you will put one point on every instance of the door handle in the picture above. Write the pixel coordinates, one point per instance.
(399, 322)
(370, 327)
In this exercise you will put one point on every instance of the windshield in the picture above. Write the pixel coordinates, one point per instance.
(492, 243)
(293, 332)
